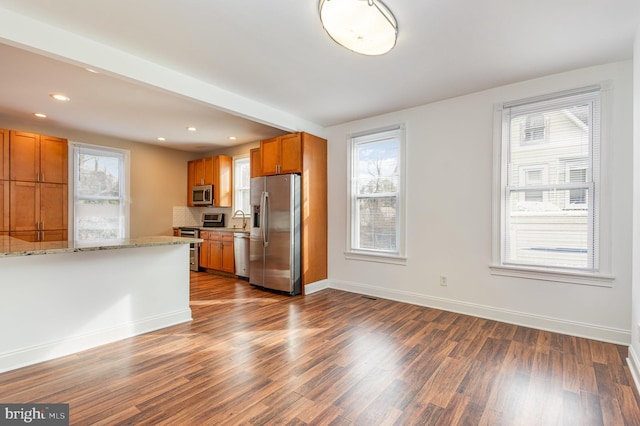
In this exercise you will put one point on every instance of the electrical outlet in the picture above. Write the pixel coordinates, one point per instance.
(443, 280)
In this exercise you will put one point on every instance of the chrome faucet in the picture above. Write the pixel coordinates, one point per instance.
(244, 219)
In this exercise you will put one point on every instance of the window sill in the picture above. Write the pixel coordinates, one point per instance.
(376, 257)
(584, 278)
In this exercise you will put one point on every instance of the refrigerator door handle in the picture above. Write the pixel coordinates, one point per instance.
(265, 216)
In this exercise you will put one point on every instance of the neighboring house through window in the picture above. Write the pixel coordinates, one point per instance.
(548, 194)
(101, 206)
(376, 209)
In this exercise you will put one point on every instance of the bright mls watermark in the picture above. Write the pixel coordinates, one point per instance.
(34, 414)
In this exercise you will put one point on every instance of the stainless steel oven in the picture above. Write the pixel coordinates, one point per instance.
(194, 248)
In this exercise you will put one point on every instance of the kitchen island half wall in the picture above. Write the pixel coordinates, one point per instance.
(58, 298)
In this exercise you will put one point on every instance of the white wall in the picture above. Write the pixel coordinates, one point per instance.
(449, 180)
(635, 299)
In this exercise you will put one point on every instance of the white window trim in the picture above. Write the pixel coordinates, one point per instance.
(399, 258)
(72, 190)
(604, 277)
(235, 206)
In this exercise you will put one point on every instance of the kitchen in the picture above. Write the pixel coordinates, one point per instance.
(301, 160)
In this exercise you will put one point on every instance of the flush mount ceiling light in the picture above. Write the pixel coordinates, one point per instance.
(364, 26)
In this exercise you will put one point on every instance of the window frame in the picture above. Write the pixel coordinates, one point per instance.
(352, 252)
(124, 230)
(601, 274)
(243, 158)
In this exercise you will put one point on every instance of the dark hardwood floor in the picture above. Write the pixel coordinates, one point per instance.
(333, 358)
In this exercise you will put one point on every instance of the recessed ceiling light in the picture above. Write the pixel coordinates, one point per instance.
(40, 115)
(60, 97)
(191, 129)
(161, 139)
(233, 138)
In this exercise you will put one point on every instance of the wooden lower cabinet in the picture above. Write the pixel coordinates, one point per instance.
(216, 251)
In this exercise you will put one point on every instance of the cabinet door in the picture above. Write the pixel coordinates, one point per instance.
(4, 205)
(199, 171)
(270, 156)
(4, 154)
(290, 154)
(191, 180)
(215, 253)
(208, 171)
(53, 206)
(255, 167)
(228, 258)
(24, 200)
(53, 160)
(204, 249)
(24, 156)
(223, 181)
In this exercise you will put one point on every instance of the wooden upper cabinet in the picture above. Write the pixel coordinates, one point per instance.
(4, 205)
(291, 154)
(35, 158)
(4, 154)
(255, 163)
(53, 160)
(216, 171)
(282, 154)
(270, 156)
(24, 156)
(222, 181)
(191, 177)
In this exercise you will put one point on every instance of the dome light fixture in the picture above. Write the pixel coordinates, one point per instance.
(363, 26)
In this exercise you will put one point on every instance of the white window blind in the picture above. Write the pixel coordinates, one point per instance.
(550, 181)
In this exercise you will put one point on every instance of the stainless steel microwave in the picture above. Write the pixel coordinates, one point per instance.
(202, 195)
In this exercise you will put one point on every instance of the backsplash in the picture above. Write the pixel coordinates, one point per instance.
(192, 216)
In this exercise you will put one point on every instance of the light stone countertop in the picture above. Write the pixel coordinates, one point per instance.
(11, 247)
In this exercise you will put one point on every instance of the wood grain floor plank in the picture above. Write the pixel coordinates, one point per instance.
(251, 357)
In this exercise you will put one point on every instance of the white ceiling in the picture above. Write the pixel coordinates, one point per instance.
(255, 68)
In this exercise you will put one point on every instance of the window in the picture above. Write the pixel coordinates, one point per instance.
(534, 129)
(241, 184)
(376, 193)
(548, 193)
(533, 177)
(101, 208)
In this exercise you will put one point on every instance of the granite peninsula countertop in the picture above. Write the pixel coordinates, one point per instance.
(11, 247)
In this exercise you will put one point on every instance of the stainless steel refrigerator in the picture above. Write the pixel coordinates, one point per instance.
(274, 250)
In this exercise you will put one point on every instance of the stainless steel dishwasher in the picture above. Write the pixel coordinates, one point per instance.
(241, 253)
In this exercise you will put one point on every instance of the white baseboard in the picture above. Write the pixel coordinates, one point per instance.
(590, 331)
(316, 286)
(73, 344)
(634, 367)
